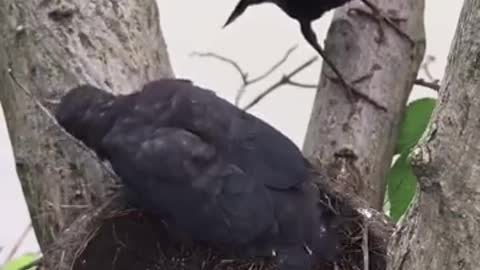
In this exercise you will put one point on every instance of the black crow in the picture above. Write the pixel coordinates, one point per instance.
(305, 12)
(217, 173)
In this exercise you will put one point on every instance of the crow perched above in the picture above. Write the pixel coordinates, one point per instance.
(307, 11)
(215, 172)
(304, 11)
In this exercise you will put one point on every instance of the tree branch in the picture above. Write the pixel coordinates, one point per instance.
(275, 66)
(425, 67)
(289, 81)
(235, 65)
(246, 81)
(432, 85)
(284, 80)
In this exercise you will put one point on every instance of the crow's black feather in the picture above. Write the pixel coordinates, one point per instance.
(215, 172)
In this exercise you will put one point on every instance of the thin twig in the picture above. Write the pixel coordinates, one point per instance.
(235, 65)
(241, 91)
(425, 67)
(275, 66)
(281, 82)
(243, 74)
(302, 85)
(432, 85)
(19, 242)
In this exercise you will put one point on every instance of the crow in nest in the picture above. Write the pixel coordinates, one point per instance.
(217, 173)
(307, 11)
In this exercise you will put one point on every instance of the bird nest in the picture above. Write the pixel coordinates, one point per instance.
(116, 238)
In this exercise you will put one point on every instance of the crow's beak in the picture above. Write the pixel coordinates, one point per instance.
(239, 9)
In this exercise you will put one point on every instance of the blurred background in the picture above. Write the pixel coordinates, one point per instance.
(263, 30)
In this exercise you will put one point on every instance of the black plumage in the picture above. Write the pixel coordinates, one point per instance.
(304, 11)
(215, 172)
(307, 11)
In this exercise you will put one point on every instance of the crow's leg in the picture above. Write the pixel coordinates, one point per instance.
(351, 92)
(311, 38)
(383, 19)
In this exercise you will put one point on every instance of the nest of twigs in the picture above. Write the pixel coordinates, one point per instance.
(119, 239)
(364, 232)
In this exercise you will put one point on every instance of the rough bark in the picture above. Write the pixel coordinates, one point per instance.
(442, 230)
(360, 137)
(46, 48)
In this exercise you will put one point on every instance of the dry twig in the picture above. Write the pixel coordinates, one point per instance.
(283, 81)
(435, 86)
(246, 81)
(431, 83)
(301, 85)
(425, 67)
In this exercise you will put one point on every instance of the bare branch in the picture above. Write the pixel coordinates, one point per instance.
(275, 66)
(241, 90)
(243, 74)
(431, 82)
(301, 85)
(425, 67)
(432, 85)
(281, 82)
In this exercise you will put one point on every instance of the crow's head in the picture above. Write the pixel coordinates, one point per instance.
(84, 113)
(240, 9)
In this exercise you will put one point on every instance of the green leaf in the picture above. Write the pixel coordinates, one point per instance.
(402, 185)
(20, 262)
(414, 122)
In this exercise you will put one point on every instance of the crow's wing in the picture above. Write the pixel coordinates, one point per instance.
(268, 154)
(244, 140)
(177, 175)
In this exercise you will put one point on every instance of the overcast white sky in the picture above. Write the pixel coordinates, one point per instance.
(255, 41)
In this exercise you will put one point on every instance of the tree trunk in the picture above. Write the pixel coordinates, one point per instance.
(358, 139)
(442, 229)
(46, 48)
